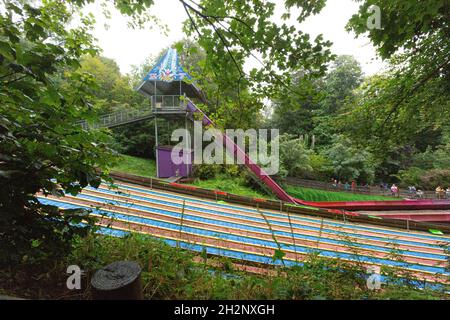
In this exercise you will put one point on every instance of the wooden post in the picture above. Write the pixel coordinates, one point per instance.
(120, 280)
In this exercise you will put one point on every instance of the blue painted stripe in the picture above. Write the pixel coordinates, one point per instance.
(293, 216)
(260, 220)
(266, 231)
(266, 243)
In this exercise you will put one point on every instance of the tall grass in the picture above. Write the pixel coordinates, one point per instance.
(172, 273)
(309, 194)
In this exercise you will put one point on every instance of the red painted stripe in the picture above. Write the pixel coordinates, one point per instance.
(182, 186)
(222, 193)
(380, 205)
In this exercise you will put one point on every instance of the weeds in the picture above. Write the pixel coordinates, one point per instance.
(173, 273)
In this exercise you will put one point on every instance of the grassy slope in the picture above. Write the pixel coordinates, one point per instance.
(236, 186)
(232, 185)
(135, 165)
(147, 168)
(321, 195)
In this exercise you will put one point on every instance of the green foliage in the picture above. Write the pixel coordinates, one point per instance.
(206, 171)
(235, 185)
(344, 77)
(411, 177)
(234, 170)
(439, 158)
(173, 274)
(410, 102)
(293, 113)
(424, 179)
(327, 96)
(138, 139)
(134, 165)
(42, 147)
(349, 162)
(229, 33)
(294, 157)
(404, 23)
(322, 168)
(114, 91)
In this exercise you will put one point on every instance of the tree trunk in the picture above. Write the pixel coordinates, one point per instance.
(120, 280)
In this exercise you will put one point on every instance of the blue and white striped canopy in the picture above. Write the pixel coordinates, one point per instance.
(168, 69)
(168, 77)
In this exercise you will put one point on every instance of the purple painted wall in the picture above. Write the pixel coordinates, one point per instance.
(167, 169)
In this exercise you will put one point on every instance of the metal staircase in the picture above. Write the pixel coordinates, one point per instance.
(118, 118)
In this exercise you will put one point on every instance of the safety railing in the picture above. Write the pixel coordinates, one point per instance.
(117, 118)
(167, 103)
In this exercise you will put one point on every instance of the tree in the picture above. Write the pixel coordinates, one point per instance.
(316, 113)
(349, 162)
(42, 147)
(232, 32)
(412, 98)
(344, 77)
(292, 113)
(337, 91)
(294, 156)
(419, 122)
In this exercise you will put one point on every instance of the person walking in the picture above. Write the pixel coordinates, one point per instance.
(414, 191)
(440, 192)
(334, 183)
(394, 190)
(346, 186)
(420, 194)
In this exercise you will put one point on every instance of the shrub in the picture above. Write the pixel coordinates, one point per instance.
(233, 171)
(432, 178)
(294, 157)
(425, 179)
(206, 171)
(322, 168)
(410, 177)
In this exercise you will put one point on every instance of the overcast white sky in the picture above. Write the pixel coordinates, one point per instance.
(130, 47)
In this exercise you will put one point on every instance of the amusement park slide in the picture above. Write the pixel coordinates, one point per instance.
(340, 205)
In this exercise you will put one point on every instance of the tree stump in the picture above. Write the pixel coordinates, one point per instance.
(120, 280)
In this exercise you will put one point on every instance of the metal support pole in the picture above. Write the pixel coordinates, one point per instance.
(156, 146)
(188, 145)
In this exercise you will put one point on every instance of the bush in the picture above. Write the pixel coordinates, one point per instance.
(424, 179)
(435, 177)
(206, 171)
(410, 177)
(42, 148)
(322, 168)
(171, 273)
(294, 157)
(350, 162)
(233, 171)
